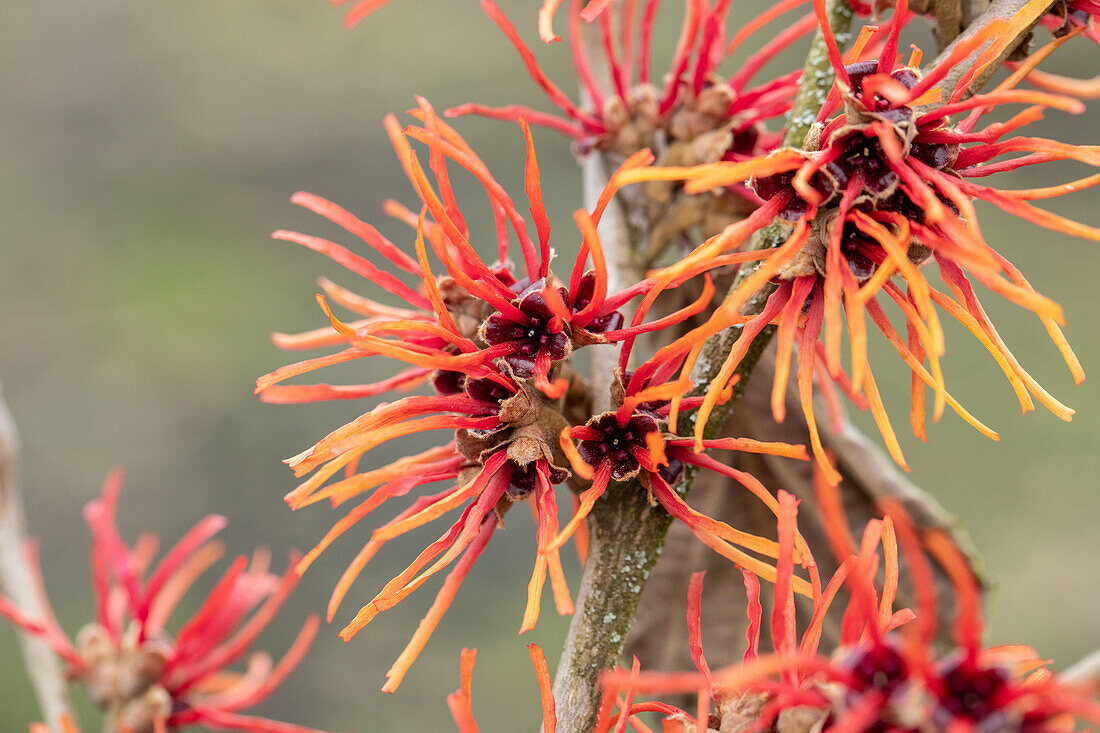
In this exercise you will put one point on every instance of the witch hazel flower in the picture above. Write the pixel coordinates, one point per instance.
(493, 342)
(748, 704)
(885, 183)
(143, 675)
(886, 674)
(693, 115)
(697, 116)
(632, 441)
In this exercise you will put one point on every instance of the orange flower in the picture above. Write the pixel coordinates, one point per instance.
(878, 678)
(492, 341)
(631, 442)
(882, 187)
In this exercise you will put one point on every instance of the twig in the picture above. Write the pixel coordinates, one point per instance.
(626, 536)
(626, 532)
(16, 577)
(1086, 671)
(622, 270)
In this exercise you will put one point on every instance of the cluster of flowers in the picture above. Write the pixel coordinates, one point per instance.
(829, 227)
(882, 184)
(887, 673)
(143, 675)
(493, 342)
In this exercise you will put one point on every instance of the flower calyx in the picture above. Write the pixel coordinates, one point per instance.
(527, 432)
(124, 679)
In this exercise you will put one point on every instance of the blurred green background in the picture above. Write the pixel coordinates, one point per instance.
(149, 148)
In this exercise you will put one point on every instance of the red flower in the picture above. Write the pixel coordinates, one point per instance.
(632, 441)
(492, 342)
(878, 679)
(525, 318)
(129, 662)
(882, 187)
(704, 116)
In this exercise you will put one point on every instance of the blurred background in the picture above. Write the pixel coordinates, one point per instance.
(150, 148)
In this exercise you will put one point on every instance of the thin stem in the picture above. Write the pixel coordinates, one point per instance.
(16, 579)
(1086, 671)
(622, 269)
(626, 533)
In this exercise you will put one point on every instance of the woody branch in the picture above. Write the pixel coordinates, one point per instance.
(627, 534)
(16, 576)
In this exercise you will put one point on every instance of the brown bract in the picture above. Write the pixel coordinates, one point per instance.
(124, 680)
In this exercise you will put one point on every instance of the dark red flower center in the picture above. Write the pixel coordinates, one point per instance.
(537, 333)
(861, 252)
(487, 390)
(876, 103)
(618, 444)
(522, 483)
(971, 692)
(854, 153)
(879, 668)
(586, 289)
(446, 383)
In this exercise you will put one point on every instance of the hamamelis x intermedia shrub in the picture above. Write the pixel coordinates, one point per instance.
(727, 205)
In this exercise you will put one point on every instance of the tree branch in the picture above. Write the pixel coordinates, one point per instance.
(16, 577)
(623, 269)
(1086, 671)
(626, 532)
